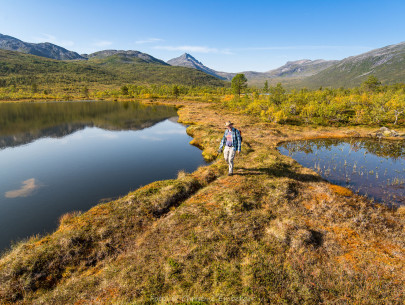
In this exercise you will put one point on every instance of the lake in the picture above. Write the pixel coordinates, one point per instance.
(374, 168)
(58, 157)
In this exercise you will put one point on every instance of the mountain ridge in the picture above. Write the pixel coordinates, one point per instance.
(386, 63)
(303, 67)
(43, 49)
(125, 53)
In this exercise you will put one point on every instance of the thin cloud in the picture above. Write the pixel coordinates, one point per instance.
(204, 49)
(194, 49)
(28, 187)
(102, 43)
(320, 47)
(149, 40)
(52, 39)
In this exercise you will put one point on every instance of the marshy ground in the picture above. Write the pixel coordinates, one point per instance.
(275, 232)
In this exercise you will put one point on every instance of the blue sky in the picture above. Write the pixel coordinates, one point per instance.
(229, 36)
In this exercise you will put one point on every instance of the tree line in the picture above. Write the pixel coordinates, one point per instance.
(371, 103)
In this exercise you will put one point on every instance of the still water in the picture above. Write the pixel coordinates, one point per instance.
(68, 156)
(375, 168)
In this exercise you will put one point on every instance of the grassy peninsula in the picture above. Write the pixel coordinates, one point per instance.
(273, 233)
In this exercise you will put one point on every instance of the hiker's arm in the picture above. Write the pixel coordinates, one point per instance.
(223, 141)
(239, 140)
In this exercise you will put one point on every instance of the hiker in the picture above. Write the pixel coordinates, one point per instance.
(232, 141)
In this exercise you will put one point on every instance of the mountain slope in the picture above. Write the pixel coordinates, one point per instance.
(188, 61)
(124, 54)
(45, 49)
(138, 69)
(291, 72)
(387, 64)
(303, 67)
(24, 69)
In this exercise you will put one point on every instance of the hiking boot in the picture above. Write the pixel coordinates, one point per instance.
(230, 174)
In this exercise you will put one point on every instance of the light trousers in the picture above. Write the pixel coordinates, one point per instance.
(229, 155)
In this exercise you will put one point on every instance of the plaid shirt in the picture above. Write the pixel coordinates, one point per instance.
(236, 140)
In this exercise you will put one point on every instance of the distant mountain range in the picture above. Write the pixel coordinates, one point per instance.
(387, 64)
(299, 68)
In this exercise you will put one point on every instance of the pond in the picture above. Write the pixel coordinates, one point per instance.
(374, 168)
(67, 156)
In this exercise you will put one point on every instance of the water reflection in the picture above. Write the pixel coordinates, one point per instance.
(22, 123)
(77, 154)
(375, 168)
(28, 187)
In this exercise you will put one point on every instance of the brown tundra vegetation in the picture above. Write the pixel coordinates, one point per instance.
(274, 232)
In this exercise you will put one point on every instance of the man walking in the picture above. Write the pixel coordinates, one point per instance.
(232, 142)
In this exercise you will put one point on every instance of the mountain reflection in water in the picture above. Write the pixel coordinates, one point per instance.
(22, 123)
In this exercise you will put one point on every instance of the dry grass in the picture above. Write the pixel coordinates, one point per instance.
(272, 233)
(341, 190)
